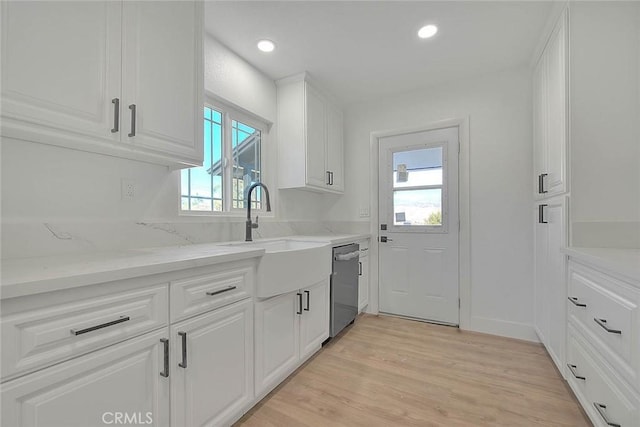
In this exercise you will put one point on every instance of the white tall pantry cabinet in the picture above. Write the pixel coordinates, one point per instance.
(550, 166)
(585, 118)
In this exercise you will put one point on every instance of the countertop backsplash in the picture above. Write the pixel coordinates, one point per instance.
(31, 239)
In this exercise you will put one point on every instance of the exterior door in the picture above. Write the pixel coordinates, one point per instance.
(419, 225)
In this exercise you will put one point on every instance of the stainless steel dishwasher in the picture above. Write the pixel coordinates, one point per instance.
(344, 287)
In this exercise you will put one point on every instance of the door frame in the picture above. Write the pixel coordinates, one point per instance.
(464, 237)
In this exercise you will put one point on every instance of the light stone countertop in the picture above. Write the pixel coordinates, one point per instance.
(27, 276)
(620, 262)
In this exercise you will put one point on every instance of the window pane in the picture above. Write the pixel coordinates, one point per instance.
(184, 182)
(198, 185)
(417, 167)
(246, 165)
(417, 207)
(200, 204)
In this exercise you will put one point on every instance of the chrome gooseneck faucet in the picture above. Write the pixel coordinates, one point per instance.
(250, 225)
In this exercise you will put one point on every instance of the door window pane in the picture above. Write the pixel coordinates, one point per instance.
(417, 207)
(416, 168)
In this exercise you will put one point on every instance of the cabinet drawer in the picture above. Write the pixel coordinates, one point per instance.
(37, 338)
(209, 290)
(604, 397)
(607, 311)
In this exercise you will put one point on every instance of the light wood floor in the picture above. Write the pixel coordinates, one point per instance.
(386, 371)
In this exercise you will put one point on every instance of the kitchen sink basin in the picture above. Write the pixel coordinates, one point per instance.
(288, 265)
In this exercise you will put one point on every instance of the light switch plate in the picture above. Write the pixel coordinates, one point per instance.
(364, 212)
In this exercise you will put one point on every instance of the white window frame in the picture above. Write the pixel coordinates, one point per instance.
(229, 114)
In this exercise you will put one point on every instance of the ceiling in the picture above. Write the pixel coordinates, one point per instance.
(362, 50)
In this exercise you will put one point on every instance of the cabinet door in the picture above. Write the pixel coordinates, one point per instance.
(363, 284)
(212, 381)
(556, 280)
(277, 338)
(316, 138)
(61, 69)
(539, 123)
(92, 390)
(335, 148)
(314, 324)
(541, 308)
(550, 282)
(162, 77)
(556, 152)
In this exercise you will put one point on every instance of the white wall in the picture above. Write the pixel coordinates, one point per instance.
(605, 114)
(499, 109)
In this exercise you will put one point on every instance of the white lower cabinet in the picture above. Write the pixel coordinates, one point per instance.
(363, 276)
(289, 329)
(123, 382)
(212, 363)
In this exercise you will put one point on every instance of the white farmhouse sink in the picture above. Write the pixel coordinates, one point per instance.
(289, 265)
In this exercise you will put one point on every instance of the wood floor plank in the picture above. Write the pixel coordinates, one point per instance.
(387, 371)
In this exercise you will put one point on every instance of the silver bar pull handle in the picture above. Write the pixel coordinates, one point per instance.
(574, 301)
(603, 324)
(359, 268)
(328, 178)
(601, 408)
(165, 372)
(183, 335)
(132, 107)
(220, 291)
(572, 368)
(116, 115)
(308, 299)
(104, 325)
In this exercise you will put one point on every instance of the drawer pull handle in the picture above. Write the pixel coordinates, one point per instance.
(601, 408)
(183, 335)
(165, 343)
(575, 302)
(603, 323)
(220, 291)
(572, 369)
(104, 325)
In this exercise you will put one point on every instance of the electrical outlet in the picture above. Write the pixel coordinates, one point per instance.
(128, 189)
(364, 212)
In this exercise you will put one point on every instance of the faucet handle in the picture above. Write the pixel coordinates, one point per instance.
(255, 224)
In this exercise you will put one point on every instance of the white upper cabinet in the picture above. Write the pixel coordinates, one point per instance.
(335, 147)
(162, 71)
(550, 115)
(310, 137)
(61, 68)
(118, 78)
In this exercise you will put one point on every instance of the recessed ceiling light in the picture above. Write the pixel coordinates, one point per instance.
(427, 31)
(266, 45)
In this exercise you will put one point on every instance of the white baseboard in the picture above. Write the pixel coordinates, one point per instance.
(503, 328)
